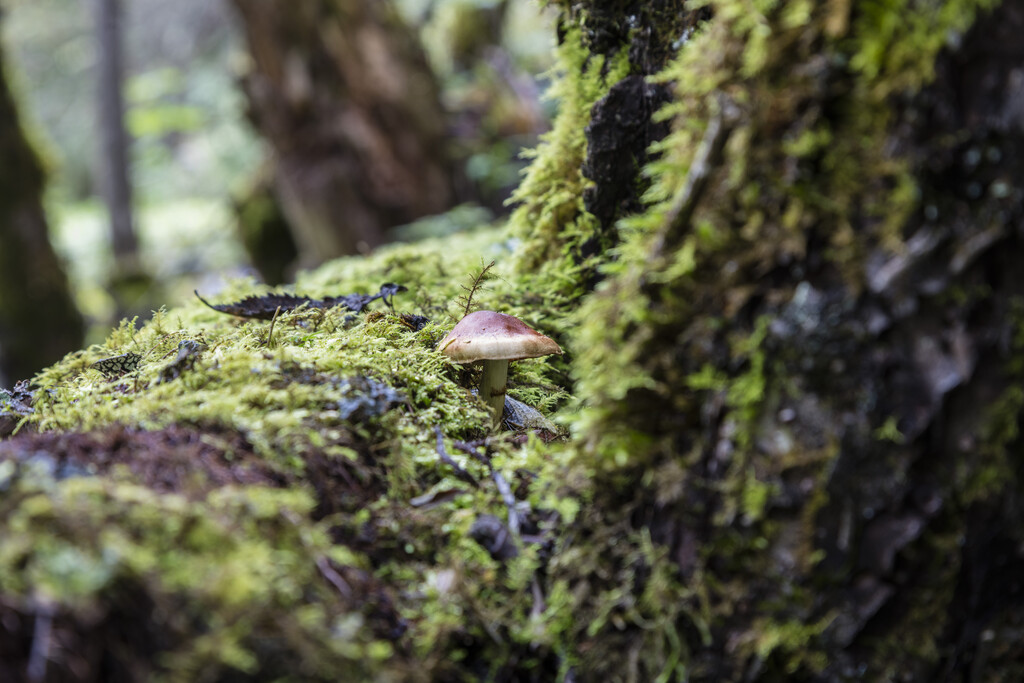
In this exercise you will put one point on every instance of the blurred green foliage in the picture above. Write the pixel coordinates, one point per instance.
(185, 112)
(192, 147)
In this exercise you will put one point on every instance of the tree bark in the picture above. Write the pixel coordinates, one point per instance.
(803, 382)
(342, 92)
(38, 319)
(609, 94)
(264, 231)
(114, 157)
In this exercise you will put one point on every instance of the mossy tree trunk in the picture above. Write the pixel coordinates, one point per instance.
(572, 199)
(343, 94)
(803, 378)
(38, 319)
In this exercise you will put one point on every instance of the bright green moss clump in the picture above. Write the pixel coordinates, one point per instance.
(243, 565)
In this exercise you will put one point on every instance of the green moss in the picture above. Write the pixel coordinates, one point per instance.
(236, 557)
(679, 377)
(795, 640)
(238, 562)
(992, 467)
(550, 218)
(243, 382)
(889, 431)
(671, 328)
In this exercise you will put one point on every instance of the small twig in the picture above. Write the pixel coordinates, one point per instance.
(447, 460)
(470, 449)
(507, 497)
(270, 335)
(333, 577)
(704, 162)
(41, 641)
(510, 501)
(539, 604)
(322, 563)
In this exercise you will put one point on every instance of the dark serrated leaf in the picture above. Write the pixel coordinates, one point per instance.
(266, 306)
(261, 307)
(116, 366)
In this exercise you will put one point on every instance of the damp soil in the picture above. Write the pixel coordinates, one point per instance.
(177, 459)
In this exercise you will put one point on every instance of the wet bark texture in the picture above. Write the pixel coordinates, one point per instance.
(884, 437)
(342, 92)
(621, 128)
(38, 319)
(924, 541)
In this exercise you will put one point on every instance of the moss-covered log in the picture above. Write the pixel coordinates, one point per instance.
(38, 319)
(581, 185)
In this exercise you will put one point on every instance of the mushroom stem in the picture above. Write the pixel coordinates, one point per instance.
(492, 387)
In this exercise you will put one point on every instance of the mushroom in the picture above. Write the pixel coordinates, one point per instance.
(496, 339)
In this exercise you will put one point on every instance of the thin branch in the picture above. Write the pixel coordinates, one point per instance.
(323, 564)
(41, 644)
(270, 334)
(447, 460)
(507, 497)
(333, 577)
(707, 158)
(510, 501)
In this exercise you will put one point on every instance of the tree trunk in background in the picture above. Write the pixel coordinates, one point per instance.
(264, 230)
(342, 92)
(802, 440)
(114, 160)
(38, 319)
(131, 287)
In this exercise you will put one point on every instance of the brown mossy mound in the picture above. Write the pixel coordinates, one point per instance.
(175, 459)
(114, 583)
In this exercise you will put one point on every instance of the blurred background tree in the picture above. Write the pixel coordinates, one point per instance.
(128, 282)
(344, 94)
(210, 199)
(38, 319)
(184, 115)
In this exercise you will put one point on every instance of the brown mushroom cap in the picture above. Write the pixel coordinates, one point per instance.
(486, 335)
